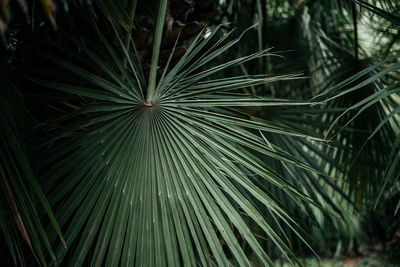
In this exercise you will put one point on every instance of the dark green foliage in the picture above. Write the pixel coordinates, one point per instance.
(158, 142)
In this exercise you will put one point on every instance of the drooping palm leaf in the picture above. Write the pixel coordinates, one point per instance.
(22, 200)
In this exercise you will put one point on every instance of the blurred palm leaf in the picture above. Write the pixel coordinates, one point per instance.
(338, 44)
(117, 11)
(22, 199)
(382, 79)
(331, 234)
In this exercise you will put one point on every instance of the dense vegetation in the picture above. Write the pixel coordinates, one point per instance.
(186, 132)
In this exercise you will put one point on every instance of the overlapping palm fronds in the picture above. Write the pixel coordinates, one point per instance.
(367, 78)
(332, 42)
(303, 118)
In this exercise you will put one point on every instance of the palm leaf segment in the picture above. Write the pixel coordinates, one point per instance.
(164, 182)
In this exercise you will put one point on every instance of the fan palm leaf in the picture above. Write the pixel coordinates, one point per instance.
(164, 179)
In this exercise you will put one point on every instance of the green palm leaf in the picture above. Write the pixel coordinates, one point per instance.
(164, 180)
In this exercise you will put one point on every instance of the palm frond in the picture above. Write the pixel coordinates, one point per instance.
(165, 180)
